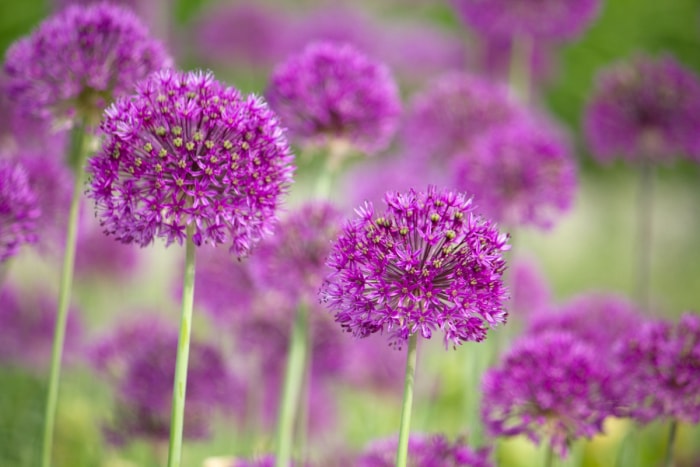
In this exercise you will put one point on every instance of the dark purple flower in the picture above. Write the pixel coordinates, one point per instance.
(79, 60)
(519, 174)
(428, 263)
(644, 108)
(552, 387)
(452, 112)
(661, 374)
(139, 360)
(424, 451)
(293, 260)
(185, 150)
(543, 19)
(331, 91)
(530, 291)
(27, 323)
(19, 210)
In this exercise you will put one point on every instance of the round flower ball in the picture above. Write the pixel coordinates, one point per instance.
(642, 109)
(330, 92)
(427, 263)
(19, 209)
(186, 151)
(79, 60)
(543, 19)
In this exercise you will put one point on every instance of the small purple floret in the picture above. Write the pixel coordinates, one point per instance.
(19, 210)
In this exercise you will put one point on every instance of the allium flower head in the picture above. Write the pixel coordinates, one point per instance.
(424, 451)
(452, 112)
(427, 263)
(80, 59)
(519, 174)
(185, 150)
(550, 387)
(331, 91)
(139, 358)
(544, 19)
(19, 210)
(644, 108)
(662, 370)
(293, 260)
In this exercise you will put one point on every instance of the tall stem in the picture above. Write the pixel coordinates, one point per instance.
(78, 154)
(293, 379)
(549, 455)
(671, 441)
(520, 59)
(411, 357)
(177, 418)
(644, 234)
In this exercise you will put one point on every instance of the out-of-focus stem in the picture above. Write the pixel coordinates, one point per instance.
(405, 429)
(645, 201)
(672, 430)
(520, 70)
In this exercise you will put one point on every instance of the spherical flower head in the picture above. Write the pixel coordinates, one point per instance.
(331, 91)
(543, 19)
(549, 387)
(644, 108)
(139, 358)
(661, 374)
(78, 60)
(185, 149)
(424, 451)
(452, 112)
(521, 174)
(293, 260)
(19, 210)
(427, 263)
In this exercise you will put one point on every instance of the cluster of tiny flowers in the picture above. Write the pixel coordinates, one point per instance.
(139, 359)
(519, 174)
(331, 91)
(293, 260)
(452, 112)
(662, 370)
(188, 150)
(644, 108)
(424, 451)
(428, 263)
(542, 19)
(19, 209)
(550, 387)
(80, 59)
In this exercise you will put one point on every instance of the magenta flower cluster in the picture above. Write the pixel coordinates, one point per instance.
(19, 210)
(80, 59)
(331, 91)
(427, 263)
(645, 108)
(187, 150)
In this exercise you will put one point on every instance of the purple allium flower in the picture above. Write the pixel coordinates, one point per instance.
(139, 358)
(331, 91)
(27, 323)
(530, 291)
(425, 451)
(186, 149)
(293, 260)
(662, 370)
(644, 108)
(543, 19)
(80, 59)
(452, 112)
(427, 263)
(19, 210)
(552, 387)
(519, 174)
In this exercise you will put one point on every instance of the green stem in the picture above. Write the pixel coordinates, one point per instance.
(520, 59)
(644, 234)
(293, 379)
(405, 430)
(183, 353)
(78, 154)
(673, 429)
(549, 455)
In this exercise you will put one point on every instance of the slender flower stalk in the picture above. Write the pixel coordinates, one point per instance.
(549, 455)
(520, 74)
(405, 429)
(183, 352)
(83, 142)
(672, 430)
(645, 216)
